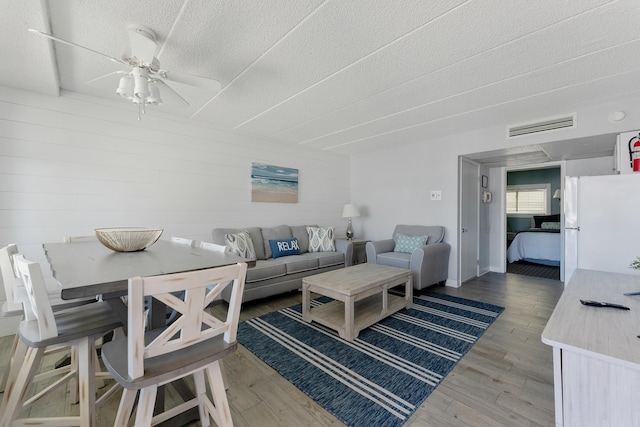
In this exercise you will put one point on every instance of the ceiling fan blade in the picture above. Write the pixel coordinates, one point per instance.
(49, 36)
(192, 80)
(107, 75)
(143, 44)
(166, 89)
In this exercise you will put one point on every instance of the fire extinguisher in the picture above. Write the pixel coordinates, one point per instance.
(634, 153)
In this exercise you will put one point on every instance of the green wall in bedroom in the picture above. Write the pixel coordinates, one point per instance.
(533, 176)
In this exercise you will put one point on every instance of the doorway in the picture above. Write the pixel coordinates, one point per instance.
(533, 217)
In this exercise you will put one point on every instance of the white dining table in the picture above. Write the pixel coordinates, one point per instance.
(87, 268)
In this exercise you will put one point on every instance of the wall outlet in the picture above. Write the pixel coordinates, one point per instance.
(436, 195)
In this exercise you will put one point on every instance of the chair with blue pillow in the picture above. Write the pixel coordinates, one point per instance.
(418, 248)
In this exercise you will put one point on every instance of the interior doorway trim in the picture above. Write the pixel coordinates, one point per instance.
(503, 195)
(467, 205)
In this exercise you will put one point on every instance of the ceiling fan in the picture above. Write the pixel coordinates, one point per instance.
(142, 80)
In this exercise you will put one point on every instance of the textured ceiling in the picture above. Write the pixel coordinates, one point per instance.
(347, 76)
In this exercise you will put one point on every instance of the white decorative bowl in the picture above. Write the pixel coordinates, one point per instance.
(128, 239)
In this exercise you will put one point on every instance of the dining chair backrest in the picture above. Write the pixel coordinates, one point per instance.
(38, 296)
(183, 241)
(212, 247)
(9, 276)
(193, 324)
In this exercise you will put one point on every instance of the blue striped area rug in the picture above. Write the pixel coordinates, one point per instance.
(382, 377)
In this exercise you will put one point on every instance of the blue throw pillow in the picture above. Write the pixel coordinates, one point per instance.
(407, 244)
(284, 247)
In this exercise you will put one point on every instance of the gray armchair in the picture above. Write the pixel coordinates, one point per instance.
(429, 263)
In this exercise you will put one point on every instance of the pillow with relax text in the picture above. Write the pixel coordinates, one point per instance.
(407, 244)
(284, 247)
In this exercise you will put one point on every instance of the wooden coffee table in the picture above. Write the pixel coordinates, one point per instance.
(361, 297)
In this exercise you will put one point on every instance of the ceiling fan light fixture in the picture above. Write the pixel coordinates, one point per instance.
(143, 69)
(141, 83)
(141, 87)
(154, 94)
(125, 87)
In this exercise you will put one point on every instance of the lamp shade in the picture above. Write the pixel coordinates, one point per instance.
(154, 94)
(556, 195)
(350, 211)
(125, 88)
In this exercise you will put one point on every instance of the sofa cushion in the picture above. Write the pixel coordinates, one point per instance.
(321, 239)
(407, 244)
(394, 259)
(298, 263)
(327, 259)
(254, 232)
(279, 232)
(300, 233)
(265, 270)
(284, 247)
(240, 244)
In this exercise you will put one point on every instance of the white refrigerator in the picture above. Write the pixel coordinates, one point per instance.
(601, 223)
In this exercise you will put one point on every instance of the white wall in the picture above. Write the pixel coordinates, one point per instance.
(590, 167)
(393, 185)
(72, 164)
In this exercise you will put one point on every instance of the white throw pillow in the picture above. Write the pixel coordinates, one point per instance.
(321, 239)
(240, 244)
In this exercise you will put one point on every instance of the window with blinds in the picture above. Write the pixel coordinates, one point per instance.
(528, 199)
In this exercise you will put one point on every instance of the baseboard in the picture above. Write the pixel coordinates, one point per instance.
(452, 283)
(484, 271)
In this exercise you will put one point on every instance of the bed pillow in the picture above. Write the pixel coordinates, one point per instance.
(539, 219)
(407, 244)
(321, 239)
(240, 244)
(284, 247)
(550, 226)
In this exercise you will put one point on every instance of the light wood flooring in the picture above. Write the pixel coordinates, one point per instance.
(505, 380)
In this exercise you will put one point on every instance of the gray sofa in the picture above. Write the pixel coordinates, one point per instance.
(429, 263)
(283, 274)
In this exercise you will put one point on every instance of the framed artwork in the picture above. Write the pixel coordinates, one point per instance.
(485, 181)
(271, 183)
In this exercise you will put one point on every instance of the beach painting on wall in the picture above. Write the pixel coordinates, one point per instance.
(273, 184)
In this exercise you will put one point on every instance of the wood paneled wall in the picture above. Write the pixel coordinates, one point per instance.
(70, 164)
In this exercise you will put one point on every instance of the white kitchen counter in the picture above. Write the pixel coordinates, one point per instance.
(596, 351)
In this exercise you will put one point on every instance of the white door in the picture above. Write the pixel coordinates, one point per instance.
(468, 220)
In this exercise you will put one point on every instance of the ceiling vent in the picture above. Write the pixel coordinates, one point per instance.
(556, 123)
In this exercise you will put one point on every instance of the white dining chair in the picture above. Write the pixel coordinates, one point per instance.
(208, 246)
(213, 247)
(16, 297)
(171, 314)
(192, 345)
(77, 327)
(183, 241)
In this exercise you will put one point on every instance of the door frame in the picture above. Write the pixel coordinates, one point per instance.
(503, 195)
(462, 159)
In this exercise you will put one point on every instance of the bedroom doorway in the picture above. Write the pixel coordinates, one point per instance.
(533, 221)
